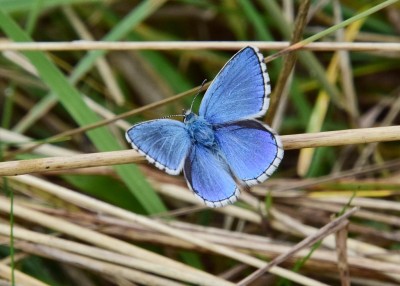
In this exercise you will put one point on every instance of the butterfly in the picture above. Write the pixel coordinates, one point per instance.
(222, 149)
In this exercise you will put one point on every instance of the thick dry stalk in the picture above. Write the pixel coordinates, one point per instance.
(289, 62)
(331, 138)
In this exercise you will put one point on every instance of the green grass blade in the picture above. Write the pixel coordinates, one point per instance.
(255, 18)
(72, 100)
(126, 25)
(14, 6)
(33, 16)
(347, 22)
(120, 30)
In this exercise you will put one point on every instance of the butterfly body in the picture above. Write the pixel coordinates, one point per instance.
(223, 147)
(200, 131)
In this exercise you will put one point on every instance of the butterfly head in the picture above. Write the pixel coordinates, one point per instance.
(189, 117)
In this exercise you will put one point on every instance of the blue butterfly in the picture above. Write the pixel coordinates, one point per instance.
(223, 149)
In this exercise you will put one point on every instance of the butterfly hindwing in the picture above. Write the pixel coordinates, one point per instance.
(209, 177)
(164, 142)
(253, 151)
(239, 91)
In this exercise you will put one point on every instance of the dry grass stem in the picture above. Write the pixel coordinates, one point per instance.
(20, 277)
(187, 45)
(330, 138)
(103, 240)
(341, 249)
(328, 229)
(122, 247)
(102, 254)
(96, 265)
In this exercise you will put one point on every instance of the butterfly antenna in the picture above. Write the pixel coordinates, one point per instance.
(198, 92)
(168, 116)
(191, 106)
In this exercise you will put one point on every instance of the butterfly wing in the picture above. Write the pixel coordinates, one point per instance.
(253, 151)
(239, 91)
(164, 142)
(209, 177)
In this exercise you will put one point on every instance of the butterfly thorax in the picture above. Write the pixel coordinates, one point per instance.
(199, 129)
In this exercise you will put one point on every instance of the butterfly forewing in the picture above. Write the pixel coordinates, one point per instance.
(240, 90)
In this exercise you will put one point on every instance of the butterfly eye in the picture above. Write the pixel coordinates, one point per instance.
(187, 113)
(188, 117)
